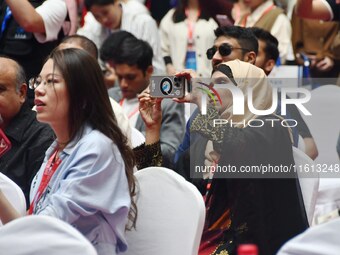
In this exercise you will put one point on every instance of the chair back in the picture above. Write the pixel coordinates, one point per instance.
(137, 138)
(171, 214)
(41, 235)
(309, 182)
(317, 240)
(324, 124)
(14, 194)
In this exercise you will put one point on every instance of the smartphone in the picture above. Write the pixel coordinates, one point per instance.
(167, 86)
(5, 144)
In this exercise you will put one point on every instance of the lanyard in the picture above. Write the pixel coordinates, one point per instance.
(131, 114)
(263, 14)
(50, 169)
(7, 16)
(191, 24)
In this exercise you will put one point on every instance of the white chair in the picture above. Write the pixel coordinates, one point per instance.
(328, 203)
(301, 144)
(309, 182)
(324, 125)
(317, 240)
(137, 138)
(122, 119)
(171, 214)
(14, 194)
(41, 235)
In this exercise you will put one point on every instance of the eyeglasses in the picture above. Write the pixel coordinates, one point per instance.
(34, 82)
(225, 49)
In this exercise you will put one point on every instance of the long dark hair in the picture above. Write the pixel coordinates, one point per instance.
(90, 104)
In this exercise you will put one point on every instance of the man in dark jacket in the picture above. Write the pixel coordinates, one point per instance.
(29, 138)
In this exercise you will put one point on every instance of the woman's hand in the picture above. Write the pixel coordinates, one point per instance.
(194, 96)
(150, 110)
(151, 113)
(325, 64)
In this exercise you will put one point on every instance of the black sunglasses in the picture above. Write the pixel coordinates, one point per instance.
(225, 49)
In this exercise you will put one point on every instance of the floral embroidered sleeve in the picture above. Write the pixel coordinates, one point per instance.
(148, 155)
(204, 124)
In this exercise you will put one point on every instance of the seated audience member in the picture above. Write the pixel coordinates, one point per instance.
(266, 58)
(107, 16)
(86, 179)
(29, 138)
(315, 39)
(132, 61)
(231, 43)
(82, 42)
(264, 14)
(148, 153)
(244, 210)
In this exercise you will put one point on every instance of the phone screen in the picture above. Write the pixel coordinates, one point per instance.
(5, 144)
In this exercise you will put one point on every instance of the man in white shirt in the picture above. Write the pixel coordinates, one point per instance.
(107, 16)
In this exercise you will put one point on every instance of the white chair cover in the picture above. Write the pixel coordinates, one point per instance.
(14, 194)
(309, 182)
(122, 119)
(137, 138)
(322, 239)
(42, 235)
(171, 214)
(328, 202)
(324, 125)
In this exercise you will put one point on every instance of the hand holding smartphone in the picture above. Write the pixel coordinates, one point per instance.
(167, 86)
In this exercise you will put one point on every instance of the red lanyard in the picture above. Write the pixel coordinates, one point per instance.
(263, 14)
(191, 24)
(131, 113)
(50, 169)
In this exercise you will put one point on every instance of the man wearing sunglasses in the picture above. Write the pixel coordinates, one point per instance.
(232, 43)
(257, 47)
(29, 138)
